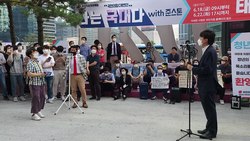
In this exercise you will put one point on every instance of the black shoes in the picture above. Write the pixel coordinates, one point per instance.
(98, 98)
(208, 135)
(6, 98)
(202, 131)
(92, 98)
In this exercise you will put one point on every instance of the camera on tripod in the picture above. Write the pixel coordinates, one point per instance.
(188, 50)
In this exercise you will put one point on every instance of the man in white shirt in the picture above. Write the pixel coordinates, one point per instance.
(47, 62)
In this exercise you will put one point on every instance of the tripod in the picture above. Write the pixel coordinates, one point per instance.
(189, 131)
(69, 96)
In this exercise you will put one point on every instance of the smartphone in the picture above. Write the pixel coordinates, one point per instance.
(48, 59)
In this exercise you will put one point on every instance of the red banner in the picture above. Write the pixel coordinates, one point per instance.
(202, 11)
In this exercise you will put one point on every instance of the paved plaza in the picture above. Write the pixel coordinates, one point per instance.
(108, 120)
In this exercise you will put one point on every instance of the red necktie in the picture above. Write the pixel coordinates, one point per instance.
(75, 67)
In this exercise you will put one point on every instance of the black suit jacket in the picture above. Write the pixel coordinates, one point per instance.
(109, 51)
(128, 81)
(207, 71)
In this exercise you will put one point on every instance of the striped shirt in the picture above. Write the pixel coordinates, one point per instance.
(34, 67)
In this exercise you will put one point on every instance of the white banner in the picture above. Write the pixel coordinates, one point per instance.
(240, 47)
(183, 79)
(160, 82)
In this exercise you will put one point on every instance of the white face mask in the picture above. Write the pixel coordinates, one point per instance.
(20, 48)
(15, 51)
(114, 39)
(117, 65)
(93, 51)
(136, 66)
(159, 71)
(228, 52)
(99, 47)
(181, 63)
(223, 62)
(123, 72)
(196, 64)
(199, 42)
(46, 51)
(53, 51)
(36, 55)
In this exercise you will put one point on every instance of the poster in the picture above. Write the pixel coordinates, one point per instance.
(220, 80)
(160, 82)
(185, 78)
(240, 51)
(118, 13)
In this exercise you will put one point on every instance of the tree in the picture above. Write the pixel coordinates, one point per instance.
(9, 5)
(70, 10)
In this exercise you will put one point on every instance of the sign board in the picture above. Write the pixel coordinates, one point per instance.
(220, 80)
(240, 51)
(119, 13)
(185, 78)
(160, 82)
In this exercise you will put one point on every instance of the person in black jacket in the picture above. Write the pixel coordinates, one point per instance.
(125, 83)
(207, 82)
(113, 51)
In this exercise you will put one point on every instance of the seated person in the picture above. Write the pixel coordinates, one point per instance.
(116, 71)
(107, 81)
(154, 91)
(181, 67)
(173, 57)
(136, 74)
(226, 72)
(149, 71)
(125, 84)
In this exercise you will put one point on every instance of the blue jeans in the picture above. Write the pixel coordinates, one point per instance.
(17, 80)
(3, 83)
(49, 84)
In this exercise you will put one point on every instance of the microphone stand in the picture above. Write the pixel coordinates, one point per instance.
(189, 131)
(69, 96)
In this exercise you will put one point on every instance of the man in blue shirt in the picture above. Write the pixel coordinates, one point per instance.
(84, 48)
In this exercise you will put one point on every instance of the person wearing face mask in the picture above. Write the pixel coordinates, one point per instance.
(125, 84)
(2, 76)
(84, 48)
(149, 71)
(47, 61)
(37, 83)
(20, 48)
(53, 50)
(78, 74)
(101, 53)
(93, 70)
(181, 67)
(226, 73)
(15, 61)
(154, 91)
(207, 82)
(107, 81)
(8, 51)
(113, 51)
(59, 84)
(136, 75)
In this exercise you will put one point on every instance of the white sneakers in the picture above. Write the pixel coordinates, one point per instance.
(35, 117)
(63, 98)
(50, 101)
(15, 99)
(222, 102)
(38, 116)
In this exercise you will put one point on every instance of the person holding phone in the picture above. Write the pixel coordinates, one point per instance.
(47, 62)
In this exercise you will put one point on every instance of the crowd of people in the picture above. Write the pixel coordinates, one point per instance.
(44, 71)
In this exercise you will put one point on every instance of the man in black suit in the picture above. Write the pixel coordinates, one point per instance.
(207, 82)
(113, 51)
